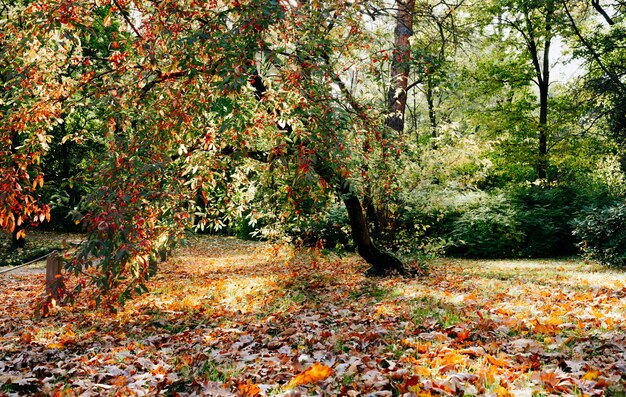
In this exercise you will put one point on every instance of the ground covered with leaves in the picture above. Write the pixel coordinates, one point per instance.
(228, 317)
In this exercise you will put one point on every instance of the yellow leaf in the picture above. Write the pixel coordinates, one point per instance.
(311, 375)
(503, 392)
(422, 371)
(591, 375)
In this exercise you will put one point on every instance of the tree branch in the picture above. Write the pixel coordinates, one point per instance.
(124, 14)
(594, 54)
(601, 11)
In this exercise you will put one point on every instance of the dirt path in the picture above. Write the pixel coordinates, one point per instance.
(35, 268)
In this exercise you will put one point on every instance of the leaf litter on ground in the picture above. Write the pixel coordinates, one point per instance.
(229, 317)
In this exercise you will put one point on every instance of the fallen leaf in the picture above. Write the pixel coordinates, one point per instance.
(248, 389)
(315, 373)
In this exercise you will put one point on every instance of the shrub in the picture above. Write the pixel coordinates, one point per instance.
(601, 233)
(545, 215)
(331, 230)
(487, 228)
(523, 221)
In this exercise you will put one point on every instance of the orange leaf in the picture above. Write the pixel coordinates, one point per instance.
(311, 375)
(26, 337)
(248, 389)
(463, 335)
(498, 362)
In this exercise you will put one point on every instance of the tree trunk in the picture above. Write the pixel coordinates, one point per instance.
(542, 71)
(430, 99)
(17, 241)
(544, 86)
(382, 262)
(542, 162)
(400, 66)
(396, 107)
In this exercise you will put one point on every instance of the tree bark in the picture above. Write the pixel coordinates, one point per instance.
(400, 66)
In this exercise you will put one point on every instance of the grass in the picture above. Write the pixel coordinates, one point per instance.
(443, 314)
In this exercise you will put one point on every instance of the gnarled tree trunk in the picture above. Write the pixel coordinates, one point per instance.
(382, 262)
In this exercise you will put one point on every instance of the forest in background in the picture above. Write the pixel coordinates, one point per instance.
(468, 128)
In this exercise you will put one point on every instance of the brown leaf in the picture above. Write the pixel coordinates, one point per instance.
(26, 337)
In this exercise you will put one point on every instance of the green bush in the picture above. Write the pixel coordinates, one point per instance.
(526, 221)
(331, 231)
(544, 216)
(601, 234)
(486, 228)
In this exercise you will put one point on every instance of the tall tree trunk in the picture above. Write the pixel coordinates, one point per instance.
(542, 164)
(396, 107)
(430, 100)
(400, 66)
(542, 71)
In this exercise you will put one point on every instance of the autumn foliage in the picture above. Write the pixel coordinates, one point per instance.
(168, 91)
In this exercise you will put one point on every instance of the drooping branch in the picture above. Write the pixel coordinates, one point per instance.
(128, 21)
(381, 262)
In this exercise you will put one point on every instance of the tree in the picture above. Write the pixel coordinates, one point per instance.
(596, 36)
(534, 24)
(189, 94)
